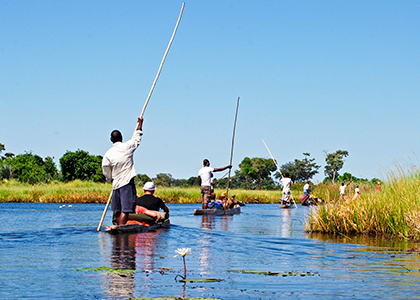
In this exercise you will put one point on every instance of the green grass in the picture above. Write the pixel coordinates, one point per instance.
(394, 211)
(91, 192)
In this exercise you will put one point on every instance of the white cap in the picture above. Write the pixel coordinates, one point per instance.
(149, 186)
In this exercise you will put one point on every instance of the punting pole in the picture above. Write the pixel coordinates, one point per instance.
(147, 101)
(233, 140)
(275, 164)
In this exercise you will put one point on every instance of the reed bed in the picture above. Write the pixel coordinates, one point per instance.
(394, 211)
(90, 192)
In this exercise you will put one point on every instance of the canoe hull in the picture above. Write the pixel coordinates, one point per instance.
(217, 212)
(136, 228)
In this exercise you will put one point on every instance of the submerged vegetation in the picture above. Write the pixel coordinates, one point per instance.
(392, 211)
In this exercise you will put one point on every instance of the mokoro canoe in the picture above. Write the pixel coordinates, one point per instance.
(217, 212)
(286, 206)
(136, 228)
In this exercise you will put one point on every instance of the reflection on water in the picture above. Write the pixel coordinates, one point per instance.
(45, 245)
(285, 223)
(123, 258)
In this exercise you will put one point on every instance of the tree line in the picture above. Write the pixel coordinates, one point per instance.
(254, 173)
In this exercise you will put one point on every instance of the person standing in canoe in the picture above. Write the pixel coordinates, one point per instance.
(118, 167)
(204, 177)
(287, 183)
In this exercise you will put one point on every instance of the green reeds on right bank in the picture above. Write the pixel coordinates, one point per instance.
(394, 211)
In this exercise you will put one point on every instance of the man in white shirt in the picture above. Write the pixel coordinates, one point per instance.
(118, 166)
(204, 176)
(287, 183)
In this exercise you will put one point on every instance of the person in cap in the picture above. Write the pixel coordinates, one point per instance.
(151, 202)
(204, 176)
(356, 192)
(118, 167)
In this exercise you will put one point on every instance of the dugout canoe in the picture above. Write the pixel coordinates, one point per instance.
(136, 228)
(217, 212)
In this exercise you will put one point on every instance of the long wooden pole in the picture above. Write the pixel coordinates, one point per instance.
(276, 164)
(233, 141)
(147, 101)
(163, 60)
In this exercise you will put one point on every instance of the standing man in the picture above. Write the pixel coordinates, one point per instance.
(287, 183)
(343, 189)
(118, 166)
(204, 177)
(151, 202)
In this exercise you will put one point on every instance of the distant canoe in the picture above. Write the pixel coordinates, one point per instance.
(217, 212)
(136, 228)
(285, 206)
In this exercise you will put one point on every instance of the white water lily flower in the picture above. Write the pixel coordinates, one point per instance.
(182, 252)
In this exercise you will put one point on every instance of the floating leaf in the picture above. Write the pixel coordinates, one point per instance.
(109, 270)
(201, 280)
(177, 298)
(283, 274)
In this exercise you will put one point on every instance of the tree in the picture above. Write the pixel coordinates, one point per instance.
(31, 168)
(255, 170)
(81, 165)
(163, 179)
(300, 170)
(141, 179)
(335, 162)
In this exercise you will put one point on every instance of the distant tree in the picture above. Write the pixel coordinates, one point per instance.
(255, 170)
(31, 168)
(300, 170)
(334, 163)
(163, 179)
(141, 179)
(193, 181)
(81, 165)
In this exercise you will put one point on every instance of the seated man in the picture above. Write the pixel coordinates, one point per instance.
(149, 201)
(214, 203)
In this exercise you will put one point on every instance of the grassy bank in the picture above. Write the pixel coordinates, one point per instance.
(90, 192)
(394, 211)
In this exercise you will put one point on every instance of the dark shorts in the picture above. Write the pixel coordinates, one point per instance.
(124, 198)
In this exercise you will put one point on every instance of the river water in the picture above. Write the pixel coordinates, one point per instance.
(48, 252)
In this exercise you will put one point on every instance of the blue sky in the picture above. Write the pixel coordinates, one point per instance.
(311, 76)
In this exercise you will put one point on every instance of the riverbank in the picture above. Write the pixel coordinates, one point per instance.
(394, 211)
(91, 192)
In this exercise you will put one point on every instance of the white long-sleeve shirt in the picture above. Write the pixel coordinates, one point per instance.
(117, 163)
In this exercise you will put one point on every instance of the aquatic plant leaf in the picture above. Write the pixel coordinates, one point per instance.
(201, 280)
(177, 298)
(283, 274)
(108, 270)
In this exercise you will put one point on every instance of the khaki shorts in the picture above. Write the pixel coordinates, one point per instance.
(205, 194)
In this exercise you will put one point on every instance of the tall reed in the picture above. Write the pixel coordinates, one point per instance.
(394, 211)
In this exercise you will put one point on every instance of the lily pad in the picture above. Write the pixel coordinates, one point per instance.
(109, 270)
(283, 274)
(177, 298)
(201, 280)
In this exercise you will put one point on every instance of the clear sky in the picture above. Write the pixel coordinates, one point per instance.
(311, 76)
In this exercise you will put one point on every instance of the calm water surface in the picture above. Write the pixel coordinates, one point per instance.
(42, 246)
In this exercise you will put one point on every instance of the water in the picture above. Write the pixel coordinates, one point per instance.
(42, 247)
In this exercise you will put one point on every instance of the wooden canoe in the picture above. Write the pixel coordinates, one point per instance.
(136, 228)
(217, 212)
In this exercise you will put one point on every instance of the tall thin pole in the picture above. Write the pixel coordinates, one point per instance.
(163, 60)
(233, 141)
(276, 164)
(147, 101)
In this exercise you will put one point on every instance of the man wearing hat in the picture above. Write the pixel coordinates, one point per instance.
(149, 201)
